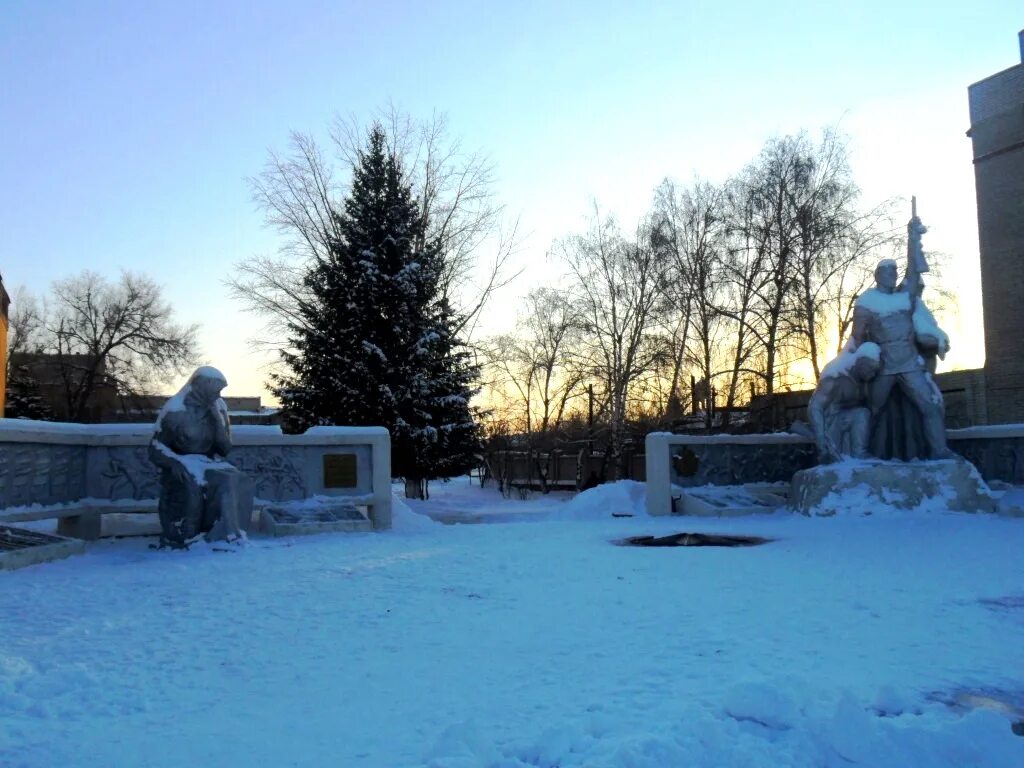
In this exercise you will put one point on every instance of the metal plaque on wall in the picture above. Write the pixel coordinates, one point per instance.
(340, 470)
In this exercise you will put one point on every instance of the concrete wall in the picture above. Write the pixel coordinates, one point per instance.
(51, 463)
(996, 450)
(695, 460)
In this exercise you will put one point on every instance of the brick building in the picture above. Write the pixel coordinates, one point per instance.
(243, 409)
(997, 137)
(49, 376)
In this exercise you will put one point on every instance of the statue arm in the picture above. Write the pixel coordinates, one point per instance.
(163, 447)
(931, 339)
(816, 410)
(222, 430)
(158, 454)
(861, 318)
(912, 284)
(167, 445)
(164, 457)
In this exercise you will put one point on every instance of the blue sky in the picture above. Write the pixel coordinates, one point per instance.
(127, 129)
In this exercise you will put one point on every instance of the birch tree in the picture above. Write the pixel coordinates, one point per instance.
(617, 284)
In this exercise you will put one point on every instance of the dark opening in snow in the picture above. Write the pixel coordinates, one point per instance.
(693, 540)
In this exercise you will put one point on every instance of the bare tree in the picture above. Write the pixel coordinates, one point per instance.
(116, 335)
(675, 312)
(537, 360)
(300, 193)
(796, 236)
(667, 395)
(836, 241)
(689, 234)
(770, 186)
(24, 325)
(617, 283)
(537, 368)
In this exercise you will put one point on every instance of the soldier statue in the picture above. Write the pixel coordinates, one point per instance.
(838, 411)
(907, 419)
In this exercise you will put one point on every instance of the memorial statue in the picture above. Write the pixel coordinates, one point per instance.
(907, 419)
(838, 411)
(878, 400)
(200, 492)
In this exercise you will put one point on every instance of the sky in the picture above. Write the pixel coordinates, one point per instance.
(128, 130)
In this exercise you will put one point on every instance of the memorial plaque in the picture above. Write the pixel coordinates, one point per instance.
(340, 470)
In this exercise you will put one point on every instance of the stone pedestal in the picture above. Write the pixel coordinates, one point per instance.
(1011, 504)
(952, 484)
(228, 501)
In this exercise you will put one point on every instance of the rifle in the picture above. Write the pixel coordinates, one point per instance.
(916, 263)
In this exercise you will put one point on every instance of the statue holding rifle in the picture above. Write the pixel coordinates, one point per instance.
(905, 406)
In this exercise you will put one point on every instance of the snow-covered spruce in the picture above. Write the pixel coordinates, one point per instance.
(377, 344)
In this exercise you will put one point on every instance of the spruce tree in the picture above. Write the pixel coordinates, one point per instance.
(24, 397)
(377, 346)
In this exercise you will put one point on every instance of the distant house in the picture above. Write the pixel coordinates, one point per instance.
(242, 410)
(52, 376)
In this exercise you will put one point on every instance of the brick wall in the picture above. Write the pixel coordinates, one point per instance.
(997, 137)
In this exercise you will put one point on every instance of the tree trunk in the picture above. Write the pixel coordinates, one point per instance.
(416, 488)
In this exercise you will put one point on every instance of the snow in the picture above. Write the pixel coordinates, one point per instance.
(765, 438)
(1012, 502)
(883, 303)
(625, 498)
(926, 325)
(843, 363)
(196, 464)
(865, 641)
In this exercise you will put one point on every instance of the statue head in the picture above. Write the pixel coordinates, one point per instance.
(206, 383)
(886, 275)
(867, 361)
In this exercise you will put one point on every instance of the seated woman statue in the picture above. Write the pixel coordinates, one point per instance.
(200, 492)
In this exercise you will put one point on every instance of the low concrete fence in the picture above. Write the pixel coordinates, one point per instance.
(996, 450)
(555, 470)
(77, 472)
(695, 460)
